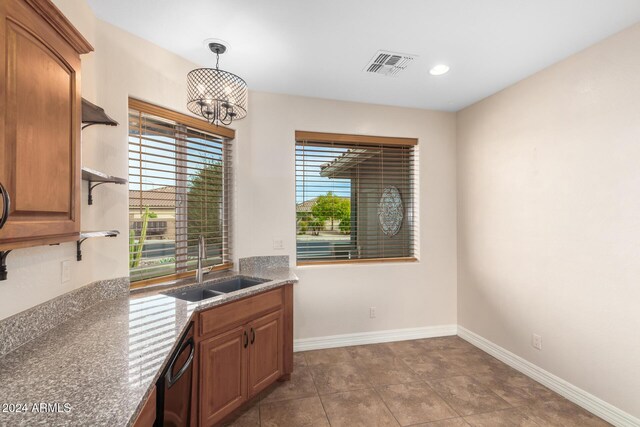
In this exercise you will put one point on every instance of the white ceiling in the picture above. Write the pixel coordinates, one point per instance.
(319, 48)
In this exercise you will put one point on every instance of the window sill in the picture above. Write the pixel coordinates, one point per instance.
(357, 261)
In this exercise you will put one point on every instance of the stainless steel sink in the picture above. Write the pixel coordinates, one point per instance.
(215, 289)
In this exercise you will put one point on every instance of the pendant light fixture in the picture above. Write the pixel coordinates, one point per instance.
(217, 95)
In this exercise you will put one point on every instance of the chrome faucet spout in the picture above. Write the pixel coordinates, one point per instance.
(201, 255)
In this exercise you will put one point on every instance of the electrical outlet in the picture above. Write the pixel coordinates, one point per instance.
(372, 312)
(278, 244)
(536, 341)
(66, 271)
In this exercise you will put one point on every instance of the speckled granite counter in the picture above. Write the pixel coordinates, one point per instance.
(100, 366)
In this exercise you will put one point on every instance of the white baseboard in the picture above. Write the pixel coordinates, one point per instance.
(578, 396)
(345, 340)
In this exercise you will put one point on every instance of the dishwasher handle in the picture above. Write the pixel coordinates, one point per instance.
(169, 378)
(6, 205)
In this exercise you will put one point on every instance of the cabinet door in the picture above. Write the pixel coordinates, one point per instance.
(223, 381)
(265, 351)
(39, 132)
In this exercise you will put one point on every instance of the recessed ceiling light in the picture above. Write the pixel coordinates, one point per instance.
(439, 70)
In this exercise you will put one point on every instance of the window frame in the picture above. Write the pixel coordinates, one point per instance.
(355, 139)
(184, 121)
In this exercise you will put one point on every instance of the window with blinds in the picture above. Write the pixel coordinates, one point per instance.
(179, 189)
(355, 198)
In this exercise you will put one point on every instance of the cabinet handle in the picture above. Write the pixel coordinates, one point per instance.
(246, 339)
(6, 205)
(253, 336)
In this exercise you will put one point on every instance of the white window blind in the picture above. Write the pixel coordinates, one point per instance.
(355, 198)
(179, 188)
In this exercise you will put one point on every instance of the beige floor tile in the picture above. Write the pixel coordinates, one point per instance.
(445, 343)
(467, 396)
(517, 388)
(414, 403)
(329, 355)
(373, 351)
(335, 377)
(387, 371)
(248, 416)
(505, 418)
(305, 412)
(562, 413)
(481, 363)
(300, 385)
(434, 365)
(362, 408)
(299, 360)
(453, 422)
(410, 348)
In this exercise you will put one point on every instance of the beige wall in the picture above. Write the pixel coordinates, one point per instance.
(336, 299)
(549, 223)
(329, 300)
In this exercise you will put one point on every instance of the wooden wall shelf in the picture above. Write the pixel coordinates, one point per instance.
(95, 178)
(89, 235)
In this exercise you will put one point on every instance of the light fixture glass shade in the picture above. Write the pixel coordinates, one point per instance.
(217, 95)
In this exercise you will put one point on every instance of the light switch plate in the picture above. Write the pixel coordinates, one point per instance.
(278, 244)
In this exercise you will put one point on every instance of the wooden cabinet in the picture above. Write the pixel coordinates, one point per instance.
(223, 382)
(243, 348)
(147, 415)
(265, 351)
(40, 118)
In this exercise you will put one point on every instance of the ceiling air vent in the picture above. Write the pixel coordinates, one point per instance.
(389, 63)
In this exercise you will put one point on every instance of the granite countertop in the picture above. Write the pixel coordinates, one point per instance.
(100, 366)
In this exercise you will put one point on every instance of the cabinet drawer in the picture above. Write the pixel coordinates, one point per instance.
(238, 312)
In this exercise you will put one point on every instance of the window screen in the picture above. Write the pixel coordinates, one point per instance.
(355, 198)
(179, 181)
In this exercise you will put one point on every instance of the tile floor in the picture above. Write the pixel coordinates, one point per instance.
(436, 382)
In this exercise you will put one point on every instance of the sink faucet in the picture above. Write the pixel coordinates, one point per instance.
(201, 255)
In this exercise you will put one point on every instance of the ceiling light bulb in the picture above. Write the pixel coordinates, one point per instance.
(439, 70)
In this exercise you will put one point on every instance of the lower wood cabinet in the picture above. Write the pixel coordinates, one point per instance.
(243, 352)
(265, 352)
(223, 374)
(147, 415)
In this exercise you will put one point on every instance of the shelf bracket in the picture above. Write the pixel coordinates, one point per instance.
(3, 264)
(79, 249)
(89, 234)
(91, 187)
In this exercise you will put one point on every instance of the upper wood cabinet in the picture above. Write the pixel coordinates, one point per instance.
(40, 119)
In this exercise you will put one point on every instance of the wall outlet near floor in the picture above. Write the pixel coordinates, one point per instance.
(278, 244)
(372, 312)
(65, 275)
(536, 341)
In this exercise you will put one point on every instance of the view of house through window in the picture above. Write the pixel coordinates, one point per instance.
(354, 199)
(178, 190)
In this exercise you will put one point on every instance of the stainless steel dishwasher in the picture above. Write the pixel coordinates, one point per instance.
(174, 385)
